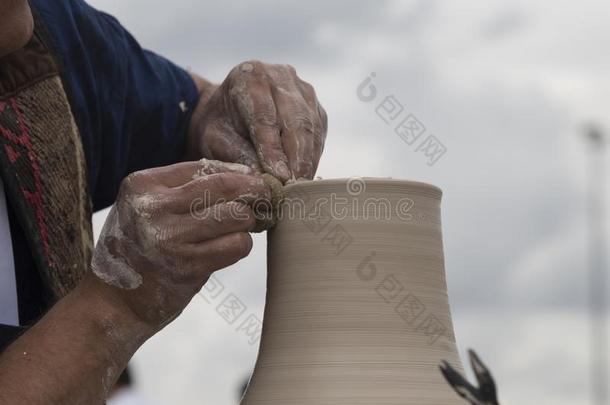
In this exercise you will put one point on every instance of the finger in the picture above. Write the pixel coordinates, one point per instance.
(206, 224)
(226, 250)
(308, 92)
(257, 108)
(209, 166)
(309, 96)
(221, 252)
(298, 125)
(179, 174)
(319, 137)
(158, 178)
(224, 144)
(206, 191)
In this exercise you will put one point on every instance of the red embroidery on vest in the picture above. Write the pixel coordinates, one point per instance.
(35, 197)
(11, 153)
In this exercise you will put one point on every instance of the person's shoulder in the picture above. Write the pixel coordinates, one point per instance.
(71, 13)
(59, 7)
(79, 30)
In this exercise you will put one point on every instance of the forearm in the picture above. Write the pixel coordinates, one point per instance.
(74, 354)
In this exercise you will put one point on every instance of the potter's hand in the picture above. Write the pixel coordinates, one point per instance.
(484, 394)
(169, 229)
(263, 116)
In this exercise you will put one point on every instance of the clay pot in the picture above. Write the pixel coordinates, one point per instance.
(357, 310)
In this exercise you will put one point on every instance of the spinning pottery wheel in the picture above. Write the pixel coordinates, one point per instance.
(357, 310)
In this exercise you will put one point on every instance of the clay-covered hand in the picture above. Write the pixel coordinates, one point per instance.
(484, 394)
(169, 229)
(263, 116)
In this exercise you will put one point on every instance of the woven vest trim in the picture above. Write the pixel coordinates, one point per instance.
(43, 164)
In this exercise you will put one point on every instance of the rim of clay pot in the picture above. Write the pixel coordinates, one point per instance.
(359, 184)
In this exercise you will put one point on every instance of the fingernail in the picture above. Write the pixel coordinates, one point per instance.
(282, 170)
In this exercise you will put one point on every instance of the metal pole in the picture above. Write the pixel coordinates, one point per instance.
(598, 276)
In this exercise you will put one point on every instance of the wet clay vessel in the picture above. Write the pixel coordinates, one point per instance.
(357, 311)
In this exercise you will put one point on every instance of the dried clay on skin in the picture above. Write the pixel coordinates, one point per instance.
(111, 267)
(266, 222)
(208, 166)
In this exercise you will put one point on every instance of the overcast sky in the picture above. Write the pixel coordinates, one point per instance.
(506, 87)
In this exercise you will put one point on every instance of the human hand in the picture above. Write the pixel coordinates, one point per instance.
(263, 116)
(156, 254)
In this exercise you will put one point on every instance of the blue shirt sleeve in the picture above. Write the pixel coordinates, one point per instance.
(132, 107)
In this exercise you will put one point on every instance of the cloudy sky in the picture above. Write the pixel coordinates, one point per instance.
(507, 89)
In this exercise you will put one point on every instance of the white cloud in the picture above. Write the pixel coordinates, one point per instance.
(505, 88)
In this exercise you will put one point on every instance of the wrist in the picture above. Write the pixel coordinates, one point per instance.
(111, 315)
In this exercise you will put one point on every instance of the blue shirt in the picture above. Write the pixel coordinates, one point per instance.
(131, 106)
